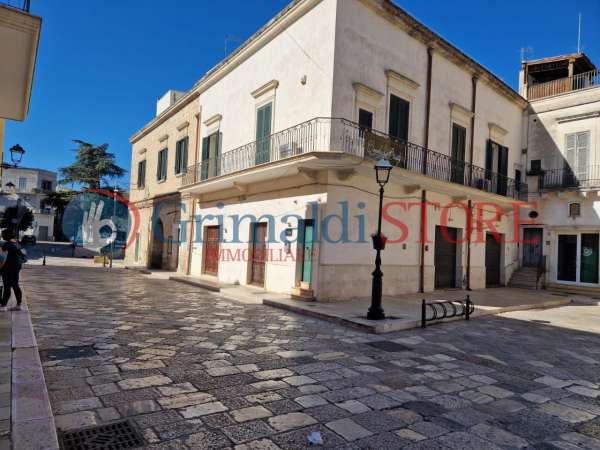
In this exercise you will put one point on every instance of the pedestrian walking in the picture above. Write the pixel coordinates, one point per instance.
(13, 259)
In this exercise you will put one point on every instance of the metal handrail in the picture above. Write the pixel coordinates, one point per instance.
(567, 84)
(344, 136)
(567, 178)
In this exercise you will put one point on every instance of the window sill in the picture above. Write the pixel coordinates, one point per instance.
(161, 181)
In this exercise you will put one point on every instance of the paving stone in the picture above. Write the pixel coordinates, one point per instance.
(157, 418)
(273, 374)
(308, 401)
(476, 397)
(299, 380)
(297, 439)
(585, 391)
(379, 421)
(71, 406)
(263, 397)
(348, 429)
(553, 382)
(203, 409)
(104, 389)
(178, 429)
(535, 426)
(353, 406)
(137, 383)
(290, 421)
(535, 398)
(137, 407)
(207, 440)
(581, 440)
(387, 440)
(428, 429)
(407, 433)
(326, 413)
(251, 413)
(248, 431)
(75, 420)
(468, 416)
(108, 414)
(498, 436)
(260, 444)
(177, 389)
(566, 413)
(181, 401)
(465, 441)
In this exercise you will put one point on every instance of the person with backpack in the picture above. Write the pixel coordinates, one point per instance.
(13, 261)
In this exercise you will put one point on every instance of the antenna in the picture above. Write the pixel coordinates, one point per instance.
(579, 35)
(524, 50)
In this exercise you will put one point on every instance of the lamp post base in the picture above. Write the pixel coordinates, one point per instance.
(375, 314)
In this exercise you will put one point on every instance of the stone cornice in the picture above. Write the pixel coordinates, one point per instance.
(399, 78)
(417, 30)
(456, 108)
(270, 86)
(366, 91)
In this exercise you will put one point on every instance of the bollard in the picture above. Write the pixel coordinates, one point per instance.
(468, 311)
(44, 260)
(423, 315)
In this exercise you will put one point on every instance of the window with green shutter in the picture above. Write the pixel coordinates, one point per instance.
(263, 133)
(141, 179)
(211, 163)
(161, 167)
(399, 117)
(181, 155)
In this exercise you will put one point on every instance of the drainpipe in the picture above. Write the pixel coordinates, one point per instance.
(423, 237)
(427, 105)
(470, 204)
(471, 143)
(469, 233)
(188, 270)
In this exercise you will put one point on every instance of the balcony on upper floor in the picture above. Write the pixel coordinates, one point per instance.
(19, 38)
(577, 82)
(568, 179)
(335, 140)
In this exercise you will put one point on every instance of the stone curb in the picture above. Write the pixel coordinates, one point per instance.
(389, 326)
(32, 421)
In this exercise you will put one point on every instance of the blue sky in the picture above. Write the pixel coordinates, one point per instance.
(103, 63)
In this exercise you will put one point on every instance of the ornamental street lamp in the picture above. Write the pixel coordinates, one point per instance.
(16, 154)
(382, 172)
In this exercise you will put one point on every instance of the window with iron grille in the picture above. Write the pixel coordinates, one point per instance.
(574, 209)
(181, 155)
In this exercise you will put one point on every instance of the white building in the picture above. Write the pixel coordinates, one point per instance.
(32, 186)
(563, 166)
(284, 140)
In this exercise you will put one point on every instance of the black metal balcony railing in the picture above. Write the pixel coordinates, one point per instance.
(566, 178)
(23, 5)
(344, 136)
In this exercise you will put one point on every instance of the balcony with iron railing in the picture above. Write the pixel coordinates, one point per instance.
(577, 82)
(567, 178)
(346, 137)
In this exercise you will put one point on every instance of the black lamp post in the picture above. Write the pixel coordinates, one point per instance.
(382, 172)
(16, 154)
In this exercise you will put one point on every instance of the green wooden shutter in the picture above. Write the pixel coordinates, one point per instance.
(399, 118)
(205, 153)
(489, 160)
(177, 157)
(184, 155)
(263, 131)
(502, 169)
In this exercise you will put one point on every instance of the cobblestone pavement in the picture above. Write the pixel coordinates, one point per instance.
(195, 371)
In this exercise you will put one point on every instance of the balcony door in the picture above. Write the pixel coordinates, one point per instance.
(211, 166)
(496, 167)
(577, 149)
(577, 258)
(263, 133)
(459, 143)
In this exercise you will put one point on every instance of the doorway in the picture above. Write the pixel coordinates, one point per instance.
(445, 257)
(43, 233)
(577, 258)
(210, 265)
(156, 261)
(532, 247)
(492, 259)
(307, 251)
(258, 254)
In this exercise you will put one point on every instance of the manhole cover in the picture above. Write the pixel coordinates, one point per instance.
(113, 436)
(84, 351)
(389, 346)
